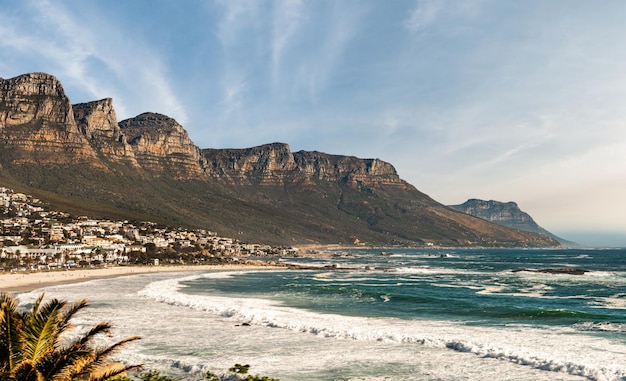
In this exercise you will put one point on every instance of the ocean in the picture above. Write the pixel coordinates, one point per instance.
(402, 314)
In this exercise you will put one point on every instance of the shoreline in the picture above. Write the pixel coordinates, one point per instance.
(30, 281)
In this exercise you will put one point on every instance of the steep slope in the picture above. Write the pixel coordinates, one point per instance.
(82, 160)
(37, 123)
(97, 121)
(162, 145)
(314, 187)
(506, 214)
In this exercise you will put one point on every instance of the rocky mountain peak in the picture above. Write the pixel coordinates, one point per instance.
(97, 118)
(501, 212)
(161, 144)
(33, 84)
(268, 164)
(98, 123)
(30, 97)
(505, 214)
(152, 121)
(37, 117)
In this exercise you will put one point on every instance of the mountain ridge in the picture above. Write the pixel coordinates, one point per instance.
(148, 166)
(506, 214)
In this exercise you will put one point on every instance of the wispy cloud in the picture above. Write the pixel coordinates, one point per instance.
(100, 64)
(237, 15)
(337, 31)
(424, 14)
(287, 18)
(234, 92)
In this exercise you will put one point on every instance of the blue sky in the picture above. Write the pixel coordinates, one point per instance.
(507, 100)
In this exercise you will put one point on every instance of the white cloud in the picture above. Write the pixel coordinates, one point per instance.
(75, 49)
(424, 14)
(287, 19)
(238, 15)
(340, 28)
(233, 95)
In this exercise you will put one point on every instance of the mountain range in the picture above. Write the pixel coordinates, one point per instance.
(79, 158)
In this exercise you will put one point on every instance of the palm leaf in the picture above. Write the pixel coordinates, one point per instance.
(100, 358)
(41, 333)
(113, 370)
(10, 338)
(31, 347)
(69, 312)
(60, 365)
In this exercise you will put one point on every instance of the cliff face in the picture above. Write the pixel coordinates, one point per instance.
(347, 169)
(37, 122)
(269, 164)
(160, 145)
(505, 214)
(275, 164)
(39, 125)
(97, 121)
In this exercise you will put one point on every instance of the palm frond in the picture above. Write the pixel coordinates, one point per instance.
(100, 328)
(101, 357)
(31, 347)
(10, 337)
(35, 309)
(41, 334)
(69, 312)
(113, 370)
(104, 352)
(61, 364)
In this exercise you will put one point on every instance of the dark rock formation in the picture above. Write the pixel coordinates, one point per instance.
(565, 270)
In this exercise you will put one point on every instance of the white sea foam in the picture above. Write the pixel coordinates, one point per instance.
(427, 270)
(601, 327)
(613, 302)
(557, 350)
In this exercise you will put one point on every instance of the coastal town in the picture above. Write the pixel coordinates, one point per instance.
(32, 237)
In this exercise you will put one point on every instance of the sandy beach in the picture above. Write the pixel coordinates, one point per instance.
(28, 281)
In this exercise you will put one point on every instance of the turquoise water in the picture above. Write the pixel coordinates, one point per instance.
(471, 286)
(406, 315)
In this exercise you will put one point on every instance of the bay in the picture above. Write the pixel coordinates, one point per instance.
(402, 314)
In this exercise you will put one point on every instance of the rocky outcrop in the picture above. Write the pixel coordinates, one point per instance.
(347, 169)
(505, 214)
(97, 121)
(561, 270)
(275, 164)
(161, 145)
(502, 213)
(37, 122)
(268, 164)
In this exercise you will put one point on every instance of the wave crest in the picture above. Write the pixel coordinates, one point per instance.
(482, 341)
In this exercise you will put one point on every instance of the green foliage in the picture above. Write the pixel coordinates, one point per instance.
(240, 369)
(32, 348)
(237, 369)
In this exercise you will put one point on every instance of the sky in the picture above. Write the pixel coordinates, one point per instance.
(501, 100)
